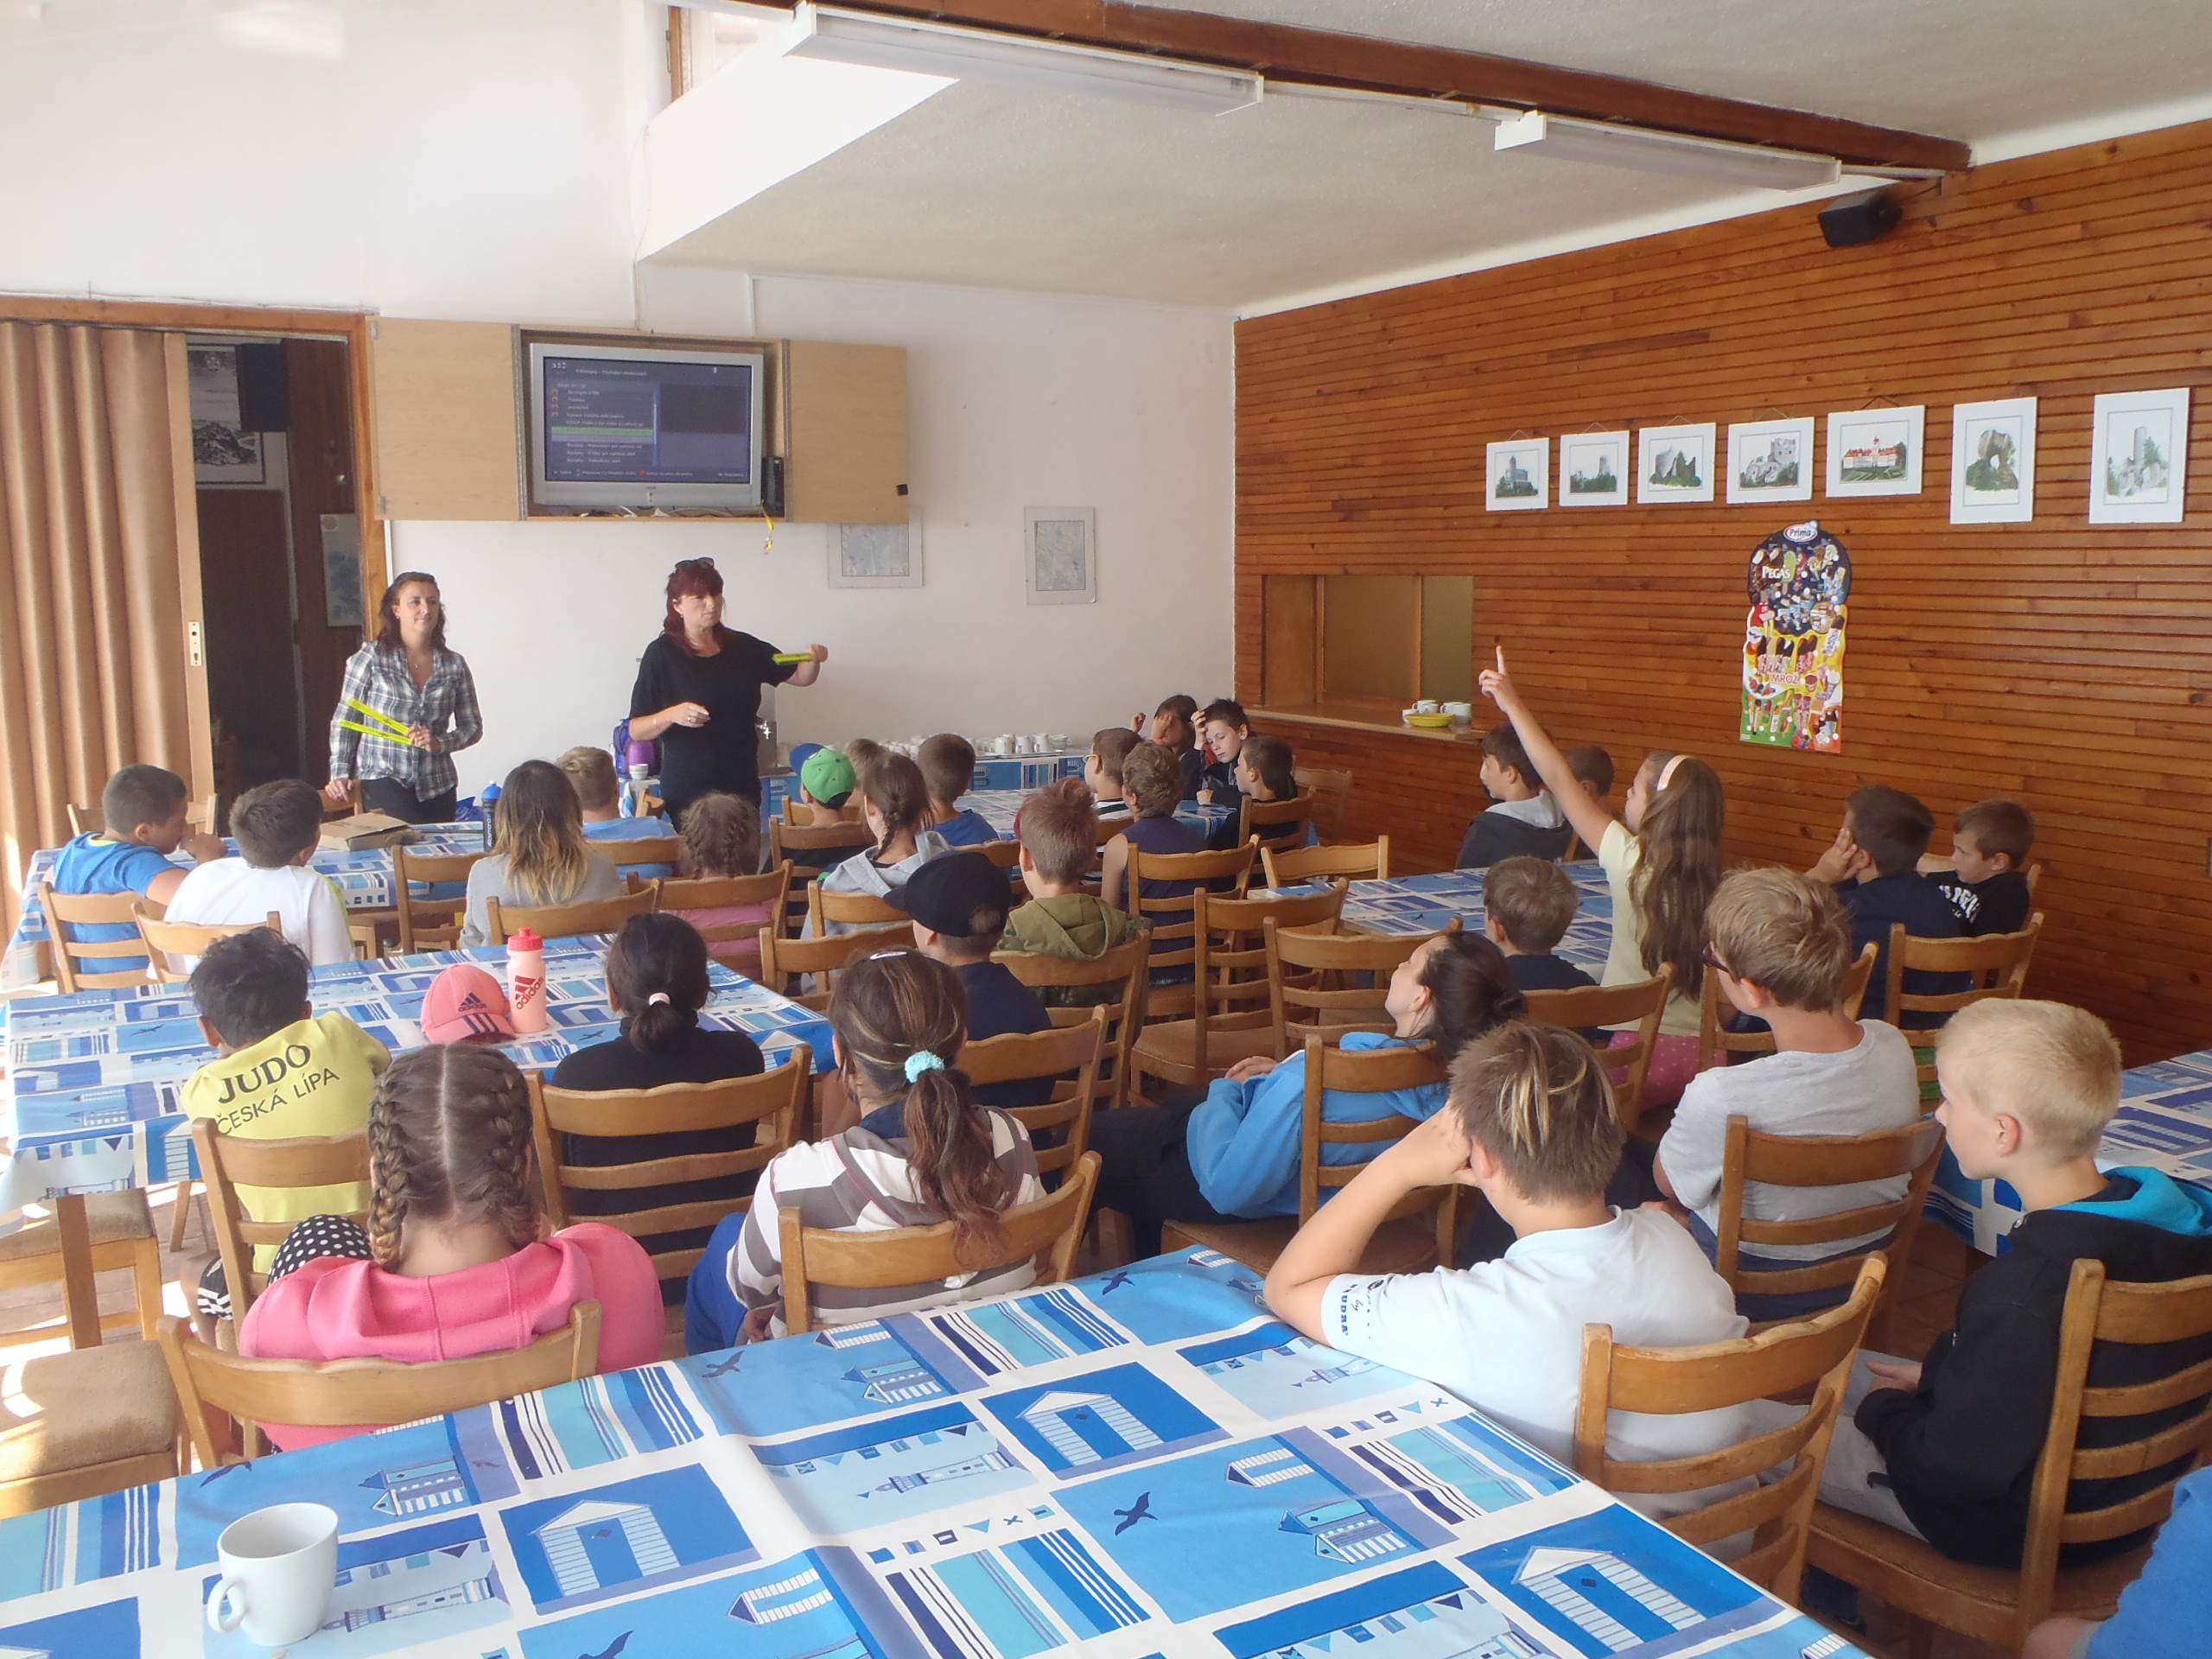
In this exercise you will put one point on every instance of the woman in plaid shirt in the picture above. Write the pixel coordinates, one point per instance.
(406, 673)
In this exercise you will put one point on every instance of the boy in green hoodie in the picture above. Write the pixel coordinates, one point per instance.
(1058, 831)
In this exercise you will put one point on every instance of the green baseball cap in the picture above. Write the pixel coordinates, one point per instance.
(828, 777)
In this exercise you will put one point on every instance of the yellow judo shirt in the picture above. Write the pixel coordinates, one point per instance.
(315, 1077)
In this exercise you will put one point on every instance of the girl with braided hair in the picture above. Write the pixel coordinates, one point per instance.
(924, 1151)
(455, 1260)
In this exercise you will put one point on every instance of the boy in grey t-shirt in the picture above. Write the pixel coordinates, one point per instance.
(1780, 944)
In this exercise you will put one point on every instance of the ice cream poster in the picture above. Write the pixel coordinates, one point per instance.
(1800, 582)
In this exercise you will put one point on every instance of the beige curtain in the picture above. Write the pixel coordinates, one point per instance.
(92, 672)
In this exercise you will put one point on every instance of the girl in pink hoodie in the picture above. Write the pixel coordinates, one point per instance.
(458, 1262)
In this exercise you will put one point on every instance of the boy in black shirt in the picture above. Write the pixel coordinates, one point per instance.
(1526, 905)
(959, 902)
(1985, 886)
(1523, 820)
(1875, 867)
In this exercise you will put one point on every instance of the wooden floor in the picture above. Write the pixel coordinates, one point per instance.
(1940, 1264)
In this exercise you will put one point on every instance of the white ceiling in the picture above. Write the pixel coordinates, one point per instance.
(996, 188)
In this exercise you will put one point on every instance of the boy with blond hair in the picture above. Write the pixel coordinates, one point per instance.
(1947, 1449)
(591, 773)
(1781, 948)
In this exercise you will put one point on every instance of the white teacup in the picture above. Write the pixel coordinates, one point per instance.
(280, 1566)
(1002, 744)
(1425, 706)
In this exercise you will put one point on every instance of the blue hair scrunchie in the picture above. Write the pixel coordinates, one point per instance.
(919, 1061)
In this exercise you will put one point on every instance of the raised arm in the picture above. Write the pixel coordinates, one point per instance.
(1591, 821)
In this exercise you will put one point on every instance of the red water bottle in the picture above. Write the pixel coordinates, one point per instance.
(526, 981)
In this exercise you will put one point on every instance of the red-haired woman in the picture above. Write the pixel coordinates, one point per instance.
(406, 674)
(698, 692)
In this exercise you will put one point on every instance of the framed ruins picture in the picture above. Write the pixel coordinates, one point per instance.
(2139, 453)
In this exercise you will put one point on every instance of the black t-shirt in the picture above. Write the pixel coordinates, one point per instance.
(1550, 973)
(999, 1005)
(2000, 904)
(724, 754)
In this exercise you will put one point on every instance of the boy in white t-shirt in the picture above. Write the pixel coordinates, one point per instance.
(1532, 1124)
(1782, 947)
(277, 827)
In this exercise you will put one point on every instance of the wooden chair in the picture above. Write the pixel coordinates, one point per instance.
(1998, 963)
(1172, 933)
(71, 958)
(846, 836)
(1400, 1244)
(84, 820)
(720, 892)
(227, 1160)
(1715, 1039)
(89, 1422)
(1614, 1005)
(427, 924)
(1370, 862)
(2000, 1606)
(1331, 793)
(1047, 1231)
(1232, 1017)
(565, 921)
(1016, 1057)
(852, 909)
(1119, 978)
(803, 813)
(781, 959)
(347, 808)
(1816, 1353)
(359, 1393)
(627, 854)
(204, 815)
(120, 1229)
(773, 1102)
(1307, 967)
(1911, 1150)
(1277, 823)
(165, 939)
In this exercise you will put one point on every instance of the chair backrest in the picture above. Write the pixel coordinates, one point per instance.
(1006, 854)
(363, 1393)
(811, 814)
(720, 892)
(1047, 1231)
(623, 853)
(226, 1162)
(1277, 823)
(73, 958)
(1229, 955)
(408, 868)
(1172, 930)
(1017, 1057)
(849, 834)
(165, 938)
(1367, 1071)
(783, 959)
(1312, 980)
(2178, 1408)
(772, 1101)
(1912, 1151)
(1331, 792)
(1815, 1353)
(83, 820)
(204, 814)
(1286, 867)
(1714, 1038)
(1640, 1004)
(1998, 963)
(1118, 977)
(824, 906)
(565, 921)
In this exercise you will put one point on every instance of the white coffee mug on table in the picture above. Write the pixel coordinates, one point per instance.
(280, 1566)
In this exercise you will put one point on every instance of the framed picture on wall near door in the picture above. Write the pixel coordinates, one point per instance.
(1674, 463)
(1594, 469)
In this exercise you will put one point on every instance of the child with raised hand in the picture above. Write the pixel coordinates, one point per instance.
(1236, 1153)
(278, 828)
(1662, 866)
(453, 1262)
(1532, 1126)
(895, 802)
(721, 838)
(923, 1153)
(541, 857)
(147, 812)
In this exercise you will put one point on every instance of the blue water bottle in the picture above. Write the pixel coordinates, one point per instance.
(490, 802)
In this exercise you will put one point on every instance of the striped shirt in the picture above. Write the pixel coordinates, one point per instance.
(378, 676)
(858, 1182)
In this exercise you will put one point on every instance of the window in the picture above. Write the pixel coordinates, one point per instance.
(1379, 641)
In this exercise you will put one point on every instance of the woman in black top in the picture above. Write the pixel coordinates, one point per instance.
(657, 981)
(698, 692)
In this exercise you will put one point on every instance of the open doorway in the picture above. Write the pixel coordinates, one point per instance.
(280, 548)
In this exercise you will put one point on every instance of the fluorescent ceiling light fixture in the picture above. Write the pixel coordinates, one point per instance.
(925, 48)
(1568, 139)
(1359, 95)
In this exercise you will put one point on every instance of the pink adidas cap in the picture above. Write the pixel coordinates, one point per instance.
(466, 1005)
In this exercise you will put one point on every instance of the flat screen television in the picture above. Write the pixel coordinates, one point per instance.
(642, 427)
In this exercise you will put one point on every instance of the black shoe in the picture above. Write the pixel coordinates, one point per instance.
(1828, 1598)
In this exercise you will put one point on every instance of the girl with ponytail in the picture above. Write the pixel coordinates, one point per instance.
(895, 801)
(1662, 864)
(455, 1260)
(923, 1153)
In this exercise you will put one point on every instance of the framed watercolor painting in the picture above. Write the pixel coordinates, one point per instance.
(1674, 463)
(1771, 461)
(1876, 451)
(1993, 462)
(1594, 469)
(1519, 476)
(2138, 455)
(1060, 546)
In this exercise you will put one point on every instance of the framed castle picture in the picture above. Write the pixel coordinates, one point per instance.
(1771, 461)
(1875, 451)
(1519, 475)
(1993, 462)
(1674, 463)
(1594, 469)
(2138, 457)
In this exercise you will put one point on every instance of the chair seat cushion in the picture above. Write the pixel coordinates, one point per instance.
(1172, 1047)
(92, 1405)
(1397, 1247)
(1954, 1594)
(111, 1218)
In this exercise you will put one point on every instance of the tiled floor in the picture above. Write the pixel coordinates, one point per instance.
(1929, 1293)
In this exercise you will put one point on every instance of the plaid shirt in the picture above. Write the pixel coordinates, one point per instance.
(446, 705)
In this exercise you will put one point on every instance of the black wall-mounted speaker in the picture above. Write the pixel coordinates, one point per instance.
(772, 486)
(1856, 221)
(264, 387)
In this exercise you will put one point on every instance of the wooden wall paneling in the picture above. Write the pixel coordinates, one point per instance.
(448, 428)
(2058, 663)
(1290, 660)
(848, 434)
